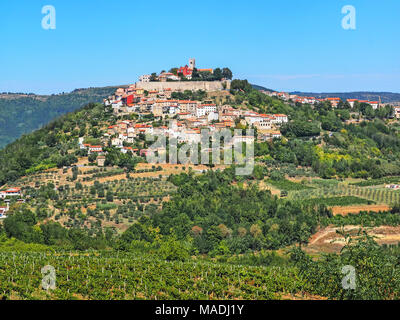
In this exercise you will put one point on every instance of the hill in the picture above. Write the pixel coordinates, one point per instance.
(221, 235)
(22, 113)
(257, 87)
(386, 97)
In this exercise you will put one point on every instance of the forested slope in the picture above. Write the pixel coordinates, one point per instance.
(21, 113)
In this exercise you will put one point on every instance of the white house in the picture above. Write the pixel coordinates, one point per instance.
(397, 112)
(246, 139)
(174, 109)
(168, 75)
(143, 128)
(253, 117)
(351, 102)
(209, 108)
(213, 116)
(95, 149)
(127, 149)
(280, 118)
(116, 142)
(264, 123)
(200, 111)
(12, 192)
(188, 106)
(130, 130)
(283, 95)
(145, 78)
(205, 109)
(117, 104)
(374, 104)
(276, 134)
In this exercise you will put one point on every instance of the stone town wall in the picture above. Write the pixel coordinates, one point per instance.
(185, 85)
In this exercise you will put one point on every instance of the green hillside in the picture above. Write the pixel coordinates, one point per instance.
(23, 113)
(128, 229)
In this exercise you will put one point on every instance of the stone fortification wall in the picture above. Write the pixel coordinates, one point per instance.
(185, 85)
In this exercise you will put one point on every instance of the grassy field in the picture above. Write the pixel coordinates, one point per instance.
(338, 201)
(287, 185)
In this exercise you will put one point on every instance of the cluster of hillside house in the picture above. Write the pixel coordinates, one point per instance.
(189, 114)
(312, 100)
(188, 118)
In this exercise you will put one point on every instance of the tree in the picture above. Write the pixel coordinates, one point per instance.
(153, 77)
(255, 230)
(21, 225)
(225, 231)
(173, 250)
(196, 231)
(174, 71)
(242, 232)
(227, 73)
(109, 196)
(100, 193)
(241, 85)
(92, 157)
(218, 74)
(221, 250)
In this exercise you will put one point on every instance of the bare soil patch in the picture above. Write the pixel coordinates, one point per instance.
(328, 240)
(339, 210)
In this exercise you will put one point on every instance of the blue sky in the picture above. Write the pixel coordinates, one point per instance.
(285, 45)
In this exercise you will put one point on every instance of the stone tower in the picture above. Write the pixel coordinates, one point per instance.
(192, 63)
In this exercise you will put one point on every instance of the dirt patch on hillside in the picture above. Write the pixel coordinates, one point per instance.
(328, 240)
(302, 296)
(338, 210)
(274, 191)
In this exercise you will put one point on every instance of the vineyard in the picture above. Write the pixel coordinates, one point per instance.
(109, 276)
(376, 182)
(377, 195)
(338, 201)
(287, 185)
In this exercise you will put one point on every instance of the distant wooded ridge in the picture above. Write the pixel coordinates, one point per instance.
(22, 113)
(386, 97)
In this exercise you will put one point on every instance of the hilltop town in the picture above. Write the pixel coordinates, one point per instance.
(189, 116)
